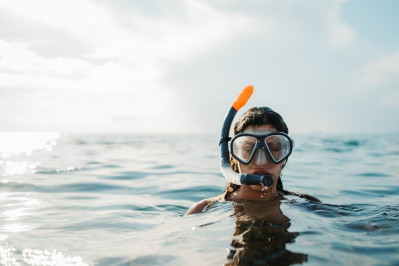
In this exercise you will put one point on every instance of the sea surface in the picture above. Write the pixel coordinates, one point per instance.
(120, 199)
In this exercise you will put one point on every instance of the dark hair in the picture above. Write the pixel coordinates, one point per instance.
(256, 116)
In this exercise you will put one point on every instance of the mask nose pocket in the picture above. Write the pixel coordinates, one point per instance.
(261, 157)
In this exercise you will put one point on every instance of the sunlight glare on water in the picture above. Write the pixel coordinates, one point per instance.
(13, 144)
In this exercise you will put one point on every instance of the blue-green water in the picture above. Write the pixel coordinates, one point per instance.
(117, 199)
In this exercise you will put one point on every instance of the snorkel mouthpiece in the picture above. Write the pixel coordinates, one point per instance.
(229, 174)
(266, 180)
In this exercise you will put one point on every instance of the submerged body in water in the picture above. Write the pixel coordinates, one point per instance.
(261, 235)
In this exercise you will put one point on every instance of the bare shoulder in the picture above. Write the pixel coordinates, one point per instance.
(311, 198)
(305, 196)
(200, 205)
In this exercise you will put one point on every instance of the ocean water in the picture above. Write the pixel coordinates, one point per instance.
(120, 199)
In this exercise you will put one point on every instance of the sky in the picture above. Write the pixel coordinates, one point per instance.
(176, 66)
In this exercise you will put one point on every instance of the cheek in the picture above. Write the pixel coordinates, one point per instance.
(243, 168)
(278, 169)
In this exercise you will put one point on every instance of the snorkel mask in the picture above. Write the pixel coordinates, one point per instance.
(264, 148)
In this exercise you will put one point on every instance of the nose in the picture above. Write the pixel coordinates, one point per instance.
(261, 157)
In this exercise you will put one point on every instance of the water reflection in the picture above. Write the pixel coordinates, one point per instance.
(17, 148)
(261, 235)
(16, 143)
(10, 256)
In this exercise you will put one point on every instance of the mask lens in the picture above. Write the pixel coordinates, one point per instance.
(279, 146)
(243, 147)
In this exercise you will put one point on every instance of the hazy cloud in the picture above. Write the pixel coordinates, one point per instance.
(382, 79)
(153, 65)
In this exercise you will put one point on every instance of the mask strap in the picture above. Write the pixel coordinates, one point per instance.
(223, 139)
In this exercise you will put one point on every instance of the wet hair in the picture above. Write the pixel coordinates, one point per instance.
(256, 116)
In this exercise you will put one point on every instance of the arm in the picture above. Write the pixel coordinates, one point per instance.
(197, 207)
(200, 205)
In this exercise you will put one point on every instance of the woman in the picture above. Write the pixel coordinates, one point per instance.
(259, 125)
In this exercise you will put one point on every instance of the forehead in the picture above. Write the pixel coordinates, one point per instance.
(260, 129)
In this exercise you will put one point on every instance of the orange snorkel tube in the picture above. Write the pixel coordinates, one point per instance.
(229, 174)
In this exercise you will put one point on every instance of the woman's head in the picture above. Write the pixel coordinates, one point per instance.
(258, 120)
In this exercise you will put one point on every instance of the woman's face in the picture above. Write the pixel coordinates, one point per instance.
(256, 169)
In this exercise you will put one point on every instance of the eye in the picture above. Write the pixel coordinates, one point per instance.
(274, 146)
(248, 146)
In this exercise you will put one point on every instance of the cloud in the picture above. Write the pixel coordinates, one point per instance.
(126, 56)
(135, 35)
(137, 41)
(295, 58)
(391, 98)
(381, 79)
(383, 72)
(340, 33)
(177, 65)
(20, 60)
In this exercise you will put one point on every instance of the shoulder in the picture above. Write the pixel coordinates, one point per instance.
(303, 195)
(310, 197)
(200, 205)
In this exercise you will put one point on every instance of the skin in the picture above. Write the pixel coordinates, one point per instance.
(252, 192)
